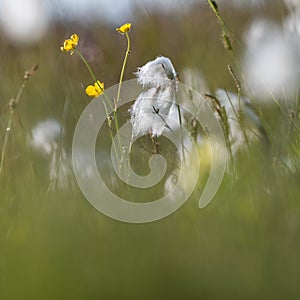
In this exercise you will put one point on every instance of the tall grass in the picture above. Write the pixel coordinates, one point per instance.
(244, 245)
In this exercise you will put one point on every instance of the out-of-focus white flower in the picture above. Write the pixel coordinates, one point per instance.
(23, 21)
(45, 136)
(272, 62)
(253, 126)
(291, 22)
(155, 108)
(292, 3)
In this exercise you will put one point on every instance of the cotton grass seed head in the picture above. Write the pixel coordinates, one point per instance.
(154, 109)
(156, 73)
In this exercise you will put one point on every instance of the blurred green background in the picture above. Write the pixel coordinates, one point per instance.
(54, 245)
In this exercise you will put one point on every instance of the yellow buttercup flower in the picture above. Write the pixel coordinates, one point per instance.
(124, 28)
(70, 44)
(95, 90)
(75, 38)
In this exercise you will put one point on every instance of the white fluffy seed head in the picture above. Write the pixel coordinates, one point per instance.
(155, 106)
(156, 73)
(151, 111)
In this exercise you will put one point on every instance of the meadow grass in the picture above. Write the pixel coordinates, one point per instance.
(245, 244)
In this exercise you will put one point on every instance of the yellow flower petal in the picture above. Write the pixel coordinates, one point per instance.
(95, 90)
(68, 45)
(91, 91)
(99, 86)
(124, 28)
(75, 39)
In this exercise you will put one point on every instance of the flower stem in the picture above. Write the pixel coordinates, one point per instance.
(105, 107)
(87, 65)
(93, 75)
(123, 69)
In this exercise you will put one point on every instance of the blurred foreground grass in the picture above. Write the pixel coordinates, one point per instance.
(55, 245)
(245, 244)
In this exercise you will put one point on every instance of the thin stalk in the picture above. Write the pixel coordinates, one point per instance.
(87, 65)
(8, 128)
(227, 32)
(123, 69)
(224, 26)
(12, 105)
(92, 74)
(119, 91)
(239, 118)
(107, 99)
(110, 129)
(180, 120)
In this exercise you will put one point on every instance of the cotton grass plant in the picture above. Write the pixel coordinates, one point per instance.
(268, 75)
(155, 107)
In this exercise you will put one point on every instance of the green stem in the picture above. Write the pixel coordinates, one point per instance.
(93, 75)
(106, 97)
(123, 69)
(13, 103)
(119, 91)
(224, 27)
(110, 129)
(8, 128)
(86, 64)
(239, 117)
(105, 107)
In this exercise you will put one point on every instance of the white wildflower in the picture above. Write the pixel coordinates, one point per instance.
(24, 21)
(45, 136)
(291, 22)
(272, 62)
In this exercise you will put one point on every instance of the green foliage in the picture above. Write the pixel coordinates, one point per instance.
(55, 245)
